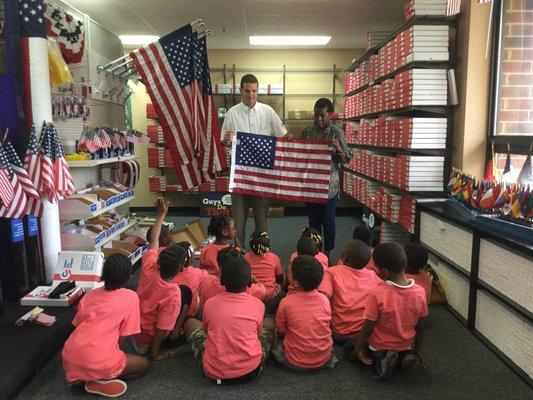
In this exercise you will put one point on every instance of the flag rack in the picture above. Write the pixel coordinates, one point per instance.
(123, 68)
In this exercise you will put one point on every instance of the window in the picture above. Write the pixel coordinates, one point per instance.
(511, 116)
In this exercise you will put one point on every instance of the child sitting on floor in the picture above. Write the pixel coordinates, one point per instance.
(161, 300)
(233, 342)
(364, 234)
(92, 353)
(211, 284)
(303, 320)
(306, 246)
(347, 285)
(223, 228)
(394, 314)
(417, 260)
(266, 268)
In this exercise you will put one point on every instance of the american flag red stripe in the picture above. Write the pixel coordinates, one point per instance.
(19, 204)
(6, 190)
(279, 168)
(46, 183)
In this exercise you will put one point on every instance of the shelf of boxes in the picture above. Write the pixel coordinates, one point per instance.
(94, 163)
(159, 183)
(79, 241)
(74, 208)
(158, 157)
(390, 205)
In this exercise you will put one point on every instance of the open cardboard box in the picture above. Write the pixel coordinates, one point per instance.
(197, 229)
(184, 234)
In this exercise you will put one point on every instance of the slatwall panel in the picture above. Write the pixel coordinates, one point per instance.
(508, 331)
(447, 239)
(455, 285)
(107, 113)
(507, 272)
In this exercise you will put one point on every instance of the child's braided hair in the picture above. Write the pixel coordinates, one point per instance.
(313, 234)
(217, 224)
(260, 243)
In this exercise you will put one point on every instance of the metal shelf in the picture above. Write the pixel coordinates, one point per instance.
(396, 188)
(417, 20)
(406, 67)
(94, 163)
(66, 216)
(398, 150)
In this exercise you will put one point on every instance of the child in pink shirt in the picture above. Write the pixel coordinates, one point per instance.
(223, 228)
(417, 260)
(92, 353)
(303, 320)
(306, 246)
(364, 234)
(347, 285)
(232, 343)
(160, 299)
(394, 313)
(266, 269)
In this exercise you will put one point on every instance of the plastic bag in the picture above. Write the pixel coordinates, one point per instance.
(59, 73)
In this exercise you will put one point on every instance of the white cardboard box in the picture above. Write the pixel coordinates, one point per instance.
(84, 267)
(39, 297)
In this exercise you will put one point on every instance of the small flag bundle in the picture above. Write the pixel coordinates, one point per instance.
(93, 140)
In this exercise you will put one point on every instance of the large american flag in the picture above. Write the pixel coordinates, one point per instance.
(290, 169)
(19, 203)
(176, 74)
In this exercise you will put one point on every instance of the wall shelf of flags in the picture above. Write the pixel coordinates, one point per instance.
(506, 201)
(80, 238)
(94, 163)
(78, 206)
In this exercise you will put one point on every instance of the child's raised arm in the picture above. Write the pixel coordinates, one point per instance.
(161, 206)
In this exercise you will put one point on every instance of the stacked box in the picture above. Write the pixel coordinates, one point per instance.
(158, 157)
(405, 133)
(155, 132)
(424, 7)
(375, 38)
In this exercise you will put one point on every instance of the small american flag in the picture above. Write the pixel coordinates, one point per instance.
(137, 137)
(22, 175)
(6, 189)
(46, 183)
(453, 7)
(63, 184)
(88, 142)
(32, 164)
(103, 139)
(18, 207)
(297, 170)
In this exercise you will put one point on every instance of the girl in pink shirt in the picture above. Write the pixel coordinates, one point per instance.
(266, 269)
(305, 247)
(223, 228)
(417, 260)
(105, 315)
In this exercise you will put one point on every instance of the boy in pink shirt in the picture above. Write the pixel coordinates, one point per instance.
(394, 313)
(364, 234)
(160, 299)
(303, 320)
(232, 343)
(105, 315)
(266, 269)
(347, 286)
(417, 260)
(223, 228)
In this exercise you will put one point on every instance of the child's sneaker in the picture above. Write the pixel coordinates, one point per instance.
(384, 363)
(109, 388)
(408, 361)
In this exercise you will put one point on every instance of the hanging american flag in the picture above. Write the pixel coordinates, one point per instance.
(63, 184)
(19, 203)
(453, 7)
(32, 164)
(297, 170)
(174, 72)
(22, 174)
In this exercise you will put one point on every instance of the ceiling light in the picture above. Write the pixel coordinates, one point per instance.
(289, 40)
(140, 40)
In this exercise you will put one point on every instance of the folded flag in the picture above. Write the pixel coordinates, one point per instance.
(297, 170)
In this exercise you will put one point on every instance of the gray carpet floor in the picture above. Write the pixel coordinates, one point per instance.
(459, 365)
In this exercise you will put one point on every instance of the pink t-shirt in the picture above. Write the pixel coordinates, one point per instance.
(304, 318)
(233, 322)
(210, 287)
(160, 301)
(423, 279)
(321, 257)
(396, 310)
(265, 269)
(349, 289)
(92, 351)
(208, 258)
(191, 277)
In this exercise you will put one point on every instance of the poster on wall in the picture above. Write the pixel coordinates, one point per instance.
(213, 204)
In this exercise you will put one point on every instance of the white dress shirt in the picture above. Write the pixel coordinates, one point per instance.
(260, 119)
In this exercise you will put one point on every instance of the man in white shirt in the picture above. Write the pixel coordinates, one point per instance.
(252, 117)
